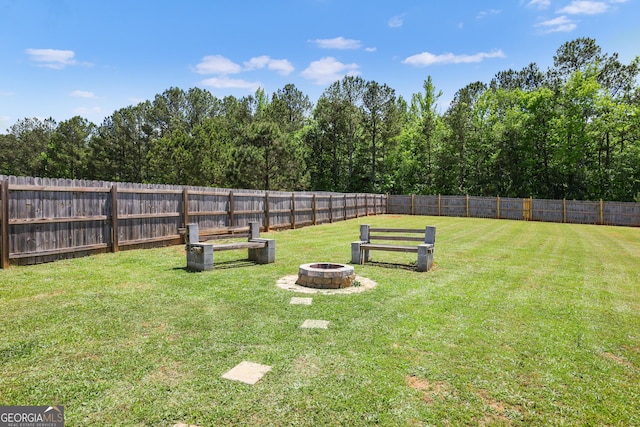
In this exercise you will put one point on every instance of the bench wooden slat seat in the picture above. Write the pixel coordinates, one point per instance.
(360, 249)
(237, 245)
(200, 255)
(392, 248)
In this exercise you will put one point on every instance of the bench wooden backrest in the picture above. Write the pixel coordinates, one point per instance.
(398, 234)
(192, 232)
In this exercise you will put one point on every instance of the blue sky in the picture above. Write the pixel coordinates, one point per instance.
(61, 58)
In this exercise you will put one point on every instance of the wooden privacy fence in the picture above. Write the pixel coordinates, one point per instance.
(44, 219)
(528, 209)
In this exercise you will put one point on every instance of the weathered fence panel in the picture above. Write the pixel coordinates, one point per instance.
(482, 207)
(453, 205)
(581, 212)
(528, 209)
(425, 205)
(509, 208)
(547, 210)
(44, 219)
(621, 213)
(401, 204)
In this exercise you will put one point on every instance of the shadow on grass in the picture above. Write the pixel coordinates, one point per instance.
(392, 265)
(225, 265)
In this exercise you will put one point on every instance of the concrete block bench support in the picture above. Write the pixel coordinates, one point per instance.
(200, 256)
(425, 249)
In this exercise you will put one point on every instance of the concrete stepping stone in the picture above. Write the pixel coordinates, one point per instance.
(315, 324)
(301, 301)
(247, 372)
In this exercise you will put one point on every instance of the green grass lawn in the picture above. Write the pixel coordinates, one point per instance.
(519, 323)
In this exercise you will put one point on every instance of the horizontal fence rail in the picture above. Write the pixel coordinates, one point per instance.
(44, 219)
(528, 209)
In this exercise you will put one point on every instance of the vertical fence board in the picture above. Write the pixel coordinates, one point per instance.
(114, 218)
(4, 223)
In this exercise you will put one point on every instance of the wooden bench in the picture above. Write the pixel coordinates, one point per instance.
(425, 249)
(200, 255)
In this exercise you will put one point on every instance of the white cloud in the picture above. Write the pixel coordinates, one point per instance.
(370, 49)
(281, 66)
(585, 7)
(217, 64)
(227, 83)
(540, 4)
(82, 94)
(561, 24)
(396, 21)
(83, 111)
(328, 70)
(425, 59)
(52, 58)
(337, 43)
(490, 12)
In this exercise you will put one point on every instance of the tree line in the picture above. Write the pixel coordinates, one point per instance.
(571, 131)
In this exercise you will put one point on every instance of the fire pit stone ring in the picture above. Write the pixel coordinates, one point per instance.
(325, 275)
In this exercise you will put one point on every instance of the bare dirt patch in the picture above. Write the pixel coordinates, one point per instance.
(430, 390)
(619, 360)
(169, 372)
(498, 410)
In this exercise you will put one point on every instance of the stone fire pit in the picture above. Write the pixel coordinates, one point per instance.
(326, 275)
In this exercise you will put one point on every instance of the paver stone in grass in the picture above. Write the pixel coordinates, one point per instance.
(247, 372)
(301, 301)
(317, 324)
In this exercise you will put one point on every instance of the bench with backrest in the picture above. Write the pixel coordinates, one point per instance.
(369, 238)
(200, 255)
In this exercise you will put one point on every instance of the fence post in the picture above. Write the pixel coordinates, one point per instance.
(345, 206)
(4, 228)
(564, 211)
(439, 214)
(330, 208)
(357, 209)
(467, 206)
(313, 209)
(413, 209)
(185, 207)
(230, 209)
(114, 219)
(267, 220)
(387, 204)
(601, 213)
(530, 208)
(498, 208)
(366, 204)
(293, 210)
